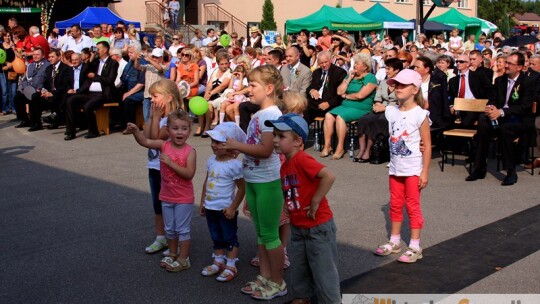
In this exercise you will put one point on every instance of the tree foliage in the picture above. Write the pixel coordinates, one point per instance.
(268, 22)
(500, 12)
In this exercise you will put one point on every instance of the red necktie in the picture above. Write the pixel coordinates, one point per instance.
(461, 93)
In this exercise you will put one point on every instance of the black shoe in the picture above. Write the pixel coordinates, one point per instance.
(35, 127)
(91, 135)
(476, 174)
(70, 136)
(53, 126)
(510, 179)
(23, 124)
(360, 160)
(205, 135)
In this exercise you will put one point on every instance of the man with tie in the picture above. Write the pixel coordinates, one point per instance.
(510, 114)
(54, 92)
(93, 93)
(471, 85)
(29, 91)
(296, 76)
(322, 92)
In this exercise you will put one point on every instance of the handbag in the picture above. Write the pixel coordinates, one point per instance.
(380, 151)
(12, 76)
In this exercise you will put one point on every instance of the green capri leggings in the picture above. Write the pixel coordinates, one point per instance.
(265, 201)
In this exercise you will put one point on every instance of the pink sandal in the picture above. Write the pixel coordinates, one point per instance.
(228, 274)
(255, 262)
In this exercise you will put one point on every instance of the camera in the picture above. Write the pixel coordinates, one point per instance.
(93, 49)
(294, 37)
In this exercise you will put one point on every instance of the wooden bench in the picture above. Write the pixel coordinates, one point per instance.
(102, 117)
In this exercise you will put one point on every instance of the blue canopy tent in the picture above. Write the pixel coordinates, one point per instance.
(92, 16)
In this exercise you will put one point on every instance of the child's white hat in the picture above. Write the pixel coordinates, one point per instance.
(227, 130)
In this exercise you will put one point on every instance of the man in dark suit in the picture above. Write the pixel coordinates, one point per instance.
(29, 91)
(53, 94)
(97, 89)
(401, 41)
(322, 92)
(515, 92)
(471, 85)
(477, 64)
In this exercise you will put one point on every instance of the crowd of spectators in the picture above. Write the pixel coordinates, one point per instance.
(341, 76)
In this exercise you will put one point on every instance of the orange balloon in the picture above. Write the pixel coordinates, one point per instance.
(18, 66)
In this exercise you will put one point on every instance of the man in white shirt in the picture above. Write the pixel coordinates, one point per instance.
(77, 41)
(116, 54)
(255, 40)
(211, 38)
(198, 39)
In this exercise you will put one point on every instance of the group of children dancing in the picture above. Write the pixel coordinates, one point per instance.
(278, 179)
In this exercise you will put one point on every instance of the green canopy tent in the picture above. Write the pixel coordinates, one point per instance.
(345, 18)
(389, 19)
(454, 18)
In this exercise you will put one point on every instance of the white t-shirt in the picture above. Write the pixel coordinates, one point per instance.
(153, 154)
(206, 41)
(257, 170)
(404, 128)
(455, 41)
(220, 185)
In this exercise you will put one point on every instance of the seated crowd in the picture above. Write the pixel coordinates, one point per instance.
(343, 81)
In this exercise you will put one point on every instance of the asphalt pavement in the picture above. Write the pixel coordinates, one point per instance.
(76, 217)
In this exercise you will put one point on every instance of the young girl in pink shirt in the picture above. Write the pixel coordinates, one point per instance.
(178, 165)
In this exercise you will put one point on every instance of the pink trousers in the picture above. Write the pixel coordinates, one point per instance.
(404, 192)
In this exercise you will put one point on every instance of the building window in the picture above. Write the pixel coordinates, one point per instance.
(463, 3)
(402, 1)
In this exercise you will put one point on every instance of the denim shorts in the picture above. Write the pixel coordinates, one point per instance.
(222, 230)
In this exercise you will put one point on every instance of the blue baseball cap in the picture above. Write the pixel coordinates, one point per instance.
(290, 122)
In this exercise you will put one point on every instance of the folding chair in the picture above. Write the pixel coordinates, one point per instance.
(463, 105)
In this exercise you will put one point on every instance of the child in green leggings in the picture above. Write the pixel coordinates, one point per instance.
(263, 186)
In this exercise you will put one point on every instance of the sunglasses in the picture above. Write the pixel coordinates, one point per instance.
(461, 61)
(403, 60)
(185, 55)
(154, 57)
(175, 39)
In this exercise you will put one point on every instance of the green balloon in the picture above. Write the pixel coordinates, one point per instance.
(225, 40)
(198, 105)
(2, 56)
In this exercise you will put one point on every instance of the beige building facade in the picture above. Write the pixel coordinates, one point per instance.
(232, 14)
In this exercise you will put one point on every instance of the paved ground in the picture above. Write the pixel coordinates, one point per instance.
(76, 216)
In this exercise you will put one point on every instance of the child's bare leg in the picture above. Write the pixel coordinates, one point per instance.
(223, 110)
(264, 263)
(184, 249)
(160, 229)
(173, 246)
(284, 234)
(236, 111)
(233, 254)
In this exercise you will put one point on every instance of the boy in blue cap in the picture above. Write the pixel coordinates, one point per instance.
(305, 183)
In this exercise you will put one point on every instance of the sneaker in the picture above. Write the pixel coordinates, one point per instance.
(179, 265)
(156, 246)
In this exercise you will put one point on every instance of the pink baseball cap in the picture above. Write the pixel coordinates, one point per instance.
(406, 76)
